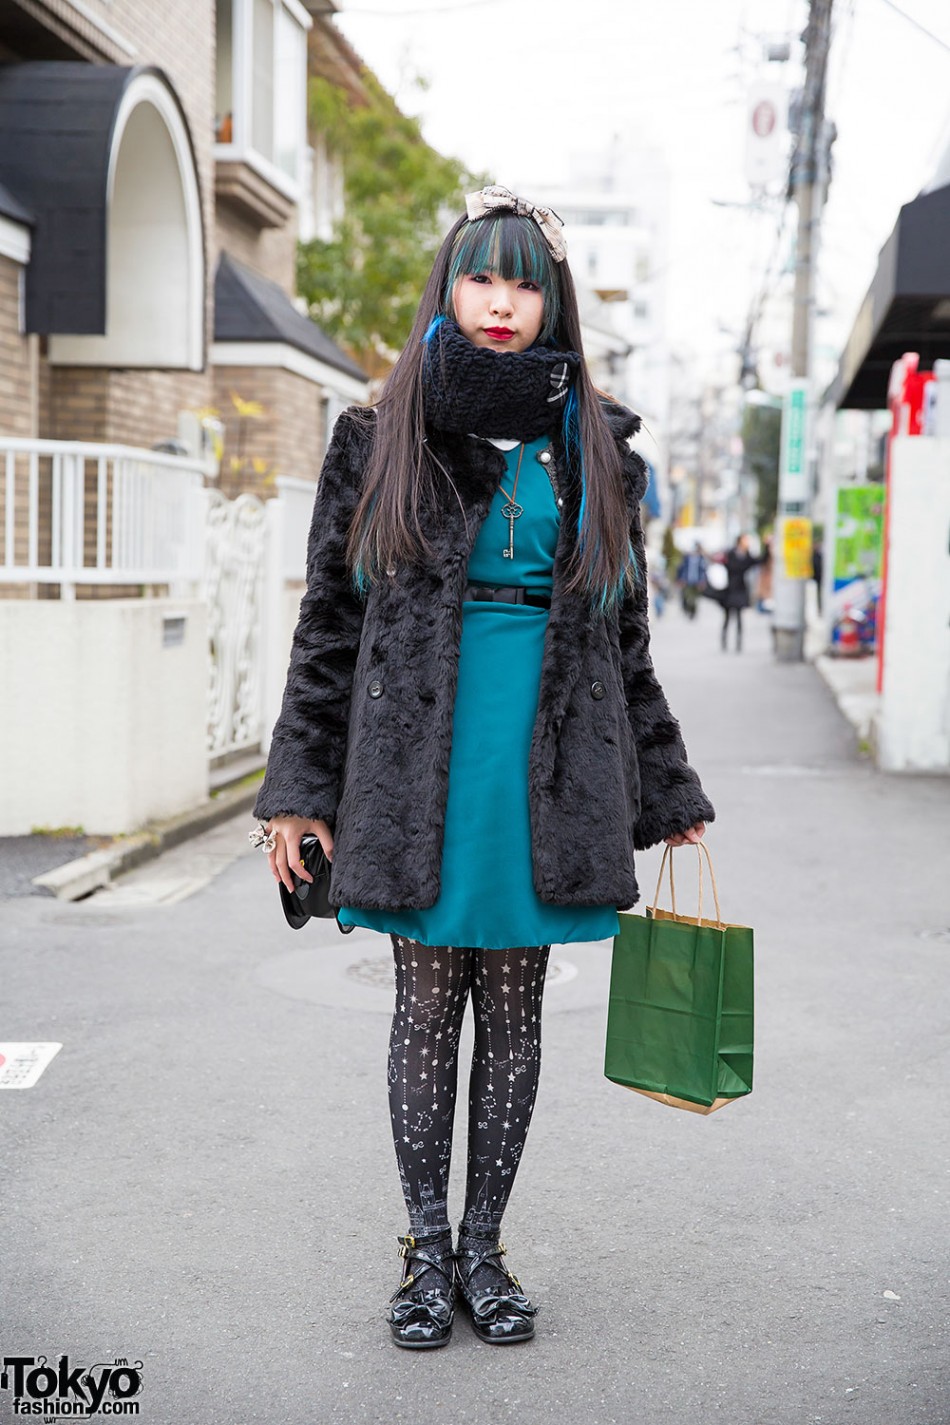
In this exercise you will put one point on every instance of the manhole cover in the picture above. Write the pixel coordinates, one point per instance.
(943, 935)
(377, 970)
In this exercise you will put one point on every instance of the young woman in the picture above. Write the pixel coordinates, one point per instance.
(735, 596)
(472, 725)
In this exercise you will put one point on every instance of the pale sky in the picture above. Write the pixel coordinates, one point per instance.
(516, 85)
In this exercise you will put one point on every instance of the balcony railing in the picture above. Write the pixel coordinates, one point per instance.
(75, 513)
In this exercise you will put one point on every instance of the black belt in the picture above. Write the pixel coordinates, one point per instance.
(493, 594)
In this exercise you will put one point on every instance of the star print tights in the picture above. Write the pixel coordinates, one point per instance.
(433, 985)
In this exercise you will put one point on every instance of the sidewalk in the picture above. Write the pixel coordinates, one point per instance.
(853, 683)
(73, 866)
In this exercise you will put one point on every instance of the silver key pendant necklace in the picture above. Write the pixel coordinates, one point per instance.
(512, 510)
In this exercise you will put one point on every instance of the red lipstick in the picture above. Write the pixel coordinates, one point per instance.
(499, 333)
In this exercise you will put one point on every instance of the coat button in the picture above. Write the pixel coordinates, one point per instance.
(376, 690)
(545, 457)
(597, 690)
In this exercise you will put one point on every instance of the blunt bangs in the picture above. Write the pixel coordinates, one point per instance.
(514, 248)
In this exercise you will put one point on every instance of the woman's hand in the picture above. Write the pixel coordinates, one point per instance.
(286, 854)
(688, 838)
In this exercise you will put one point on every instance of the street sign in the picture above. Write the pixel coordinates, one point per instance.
(22, 1064)
(793, 473)
(766, 135)
(796, 548)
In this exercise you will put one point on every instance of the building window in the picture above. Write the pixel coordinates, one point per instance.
(224, 74)
(322, 198)
(261, 94)
(290, 112)
(264, 14)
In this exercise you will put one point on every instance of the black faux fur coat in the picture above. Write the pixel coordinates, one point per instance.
(364, 734)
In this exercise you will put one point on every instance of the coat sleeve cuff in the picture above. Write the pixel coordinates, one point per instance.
(680, 809)
(268, 806)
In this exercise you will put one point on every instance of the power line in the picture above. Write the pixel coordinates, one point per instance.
(916, 24)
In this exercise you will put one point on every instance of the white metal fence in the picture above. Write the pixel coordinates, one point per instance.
(78, 513)
(73, 514)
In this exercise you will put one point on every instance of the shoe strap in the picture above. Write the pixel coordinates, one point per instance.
(488, 1255)
(415, 1254)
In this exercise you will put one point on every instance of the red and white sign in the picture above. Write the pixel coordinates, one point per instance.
(766, 147)
(22, 1064)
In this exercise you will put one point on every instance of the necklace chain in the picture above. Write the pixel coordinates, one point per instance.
(512, 510)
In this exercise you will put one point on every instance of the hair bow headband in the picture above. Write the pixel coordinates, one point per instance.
(500, 199)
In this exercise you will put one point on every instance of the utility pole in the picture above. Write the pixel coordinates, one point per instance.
(807, 185)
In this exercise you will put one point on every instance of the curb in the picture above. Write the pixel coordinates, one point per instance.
(89, 873)
(856, 697)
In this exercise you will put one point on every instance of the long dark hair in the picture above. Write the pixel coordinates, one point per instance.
(403, 476)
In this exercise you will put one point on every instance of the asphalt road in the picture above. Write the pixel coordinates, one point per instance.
(203, 1180)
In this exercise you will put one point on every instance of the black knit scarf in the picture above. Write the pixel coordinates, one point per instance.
(473, 390)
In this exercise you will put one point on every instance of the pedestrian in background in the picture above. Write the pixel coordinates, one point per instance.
(735, 597)
(763, 594)
(658, 581)
(690, 576)
(818, 567)
(471, 724)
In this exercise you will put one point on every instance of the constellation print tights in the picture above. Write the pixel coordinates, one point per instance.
(432, 989)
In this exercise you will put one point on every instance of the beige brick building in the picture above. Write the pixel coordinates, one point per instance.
(140, 146)
(156, 172)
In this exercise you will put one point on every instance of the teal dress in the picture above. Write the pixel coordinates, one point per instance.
(487, 897)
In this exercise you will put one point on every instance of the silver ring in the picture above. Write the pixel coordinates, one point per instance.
(260, 836)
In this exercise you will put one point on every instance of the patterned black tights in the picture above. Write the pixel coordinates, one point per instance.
(432, 989)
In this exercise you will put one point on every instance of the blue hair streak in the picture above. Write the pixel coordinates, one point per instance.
(361, 582)
(610, 595)
(360, 578)
(432, 328)
(574, 448)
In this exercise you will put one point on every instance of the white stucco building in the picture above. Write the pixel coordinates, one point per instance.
(615, 207)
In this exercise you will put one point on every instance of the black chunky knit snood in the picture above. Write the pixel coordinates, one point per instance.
(472, 390)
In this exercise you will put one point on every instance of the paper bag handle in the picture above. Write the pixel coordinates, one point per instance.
(701, 850)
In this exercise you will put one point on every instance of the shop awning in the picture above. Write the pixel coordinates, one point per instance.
(907, 307)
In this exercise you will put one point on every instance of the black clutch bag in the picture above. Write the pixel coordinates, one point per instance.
(310, 898)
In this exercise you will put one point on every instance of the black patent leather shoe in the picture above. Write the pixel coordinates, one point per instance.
(422, 1307)
(501, 1313)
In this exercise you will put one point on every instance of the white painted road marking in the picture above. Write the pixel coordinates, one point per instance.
(22, 1064)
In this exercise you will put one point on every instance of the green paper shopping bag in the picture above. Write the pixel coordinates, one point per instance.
(680, 1016)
